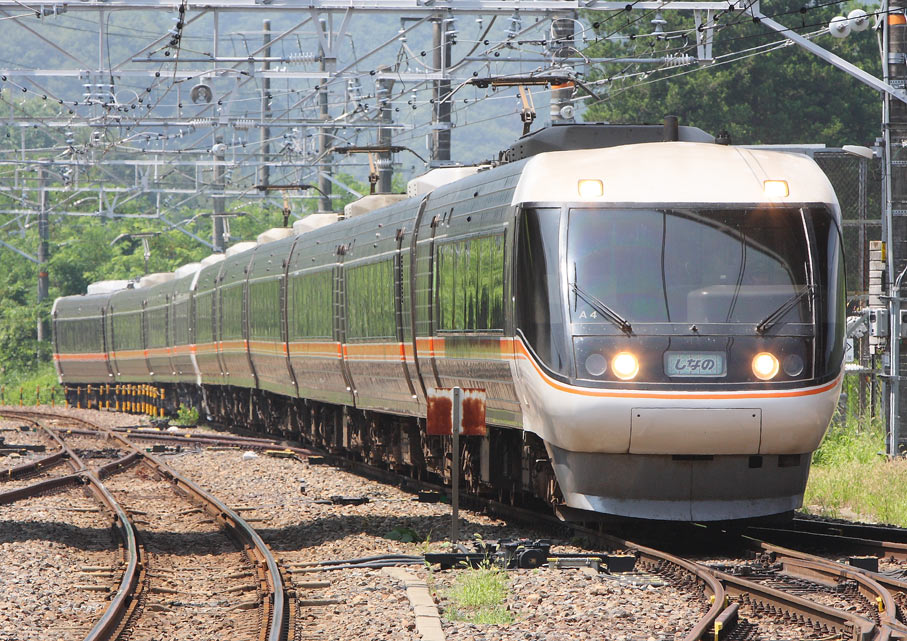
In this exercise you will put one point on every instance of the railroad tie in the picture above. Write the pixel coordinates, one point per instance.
(428, 621)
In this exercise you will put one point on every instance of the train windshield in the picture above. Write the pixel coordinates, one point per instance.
(697, 266)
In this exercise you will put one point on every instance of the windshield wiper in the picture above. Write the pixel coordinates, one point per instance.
(773, 318)
(603, 309)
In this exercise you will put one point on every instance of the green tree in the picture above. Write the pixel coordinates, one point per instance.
(783, 96)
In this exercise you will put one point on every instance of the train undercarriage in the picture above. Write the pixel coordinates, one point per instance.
(509, 465)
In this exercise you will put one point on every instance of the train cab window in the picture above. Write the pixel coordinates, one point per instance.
(469, 284)
(539, 307)
(688, 265)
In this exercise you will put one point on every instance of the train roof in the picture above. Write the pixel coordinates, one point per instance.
(672, 172)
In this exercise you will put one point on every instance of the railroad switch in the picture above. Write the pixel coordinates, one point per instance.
(429, 496)
(505, 553)
(12, 448)
(613, 563)
(343, 500)
(870, 563)
(164, 449)
(280, 453)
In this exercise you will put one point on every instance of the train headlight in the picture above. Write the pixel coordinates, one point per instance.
(589, 188)
(625, 366)
(775, 188)
(765, 366)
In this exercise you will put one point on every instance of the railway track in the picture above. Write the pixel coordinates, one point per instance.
(126, 616)
(778, 588)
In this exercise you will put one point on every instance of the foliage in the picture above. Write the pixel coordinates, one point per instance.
(404, 535)
(477, 595)
(186, 416)
(37, 387)
(784, 96)
(851, 476)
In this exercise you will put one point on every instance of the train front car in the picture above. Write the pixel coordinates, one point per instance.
(680, 319)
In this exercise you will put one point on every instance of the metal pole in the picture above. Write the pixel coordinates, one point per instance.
(455, 468)
(264, 171)
(324, 142)
(218, 222)
(896, 135)
(385, 115)
(440, 135)
(43, 247)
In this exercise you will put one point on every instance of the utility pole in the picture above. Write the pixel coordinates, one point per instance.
(264, 175)
(324, 143)
(440, 119)
(895, 134)
(43, 247)
(385, 115)
(562, 47)
(218, 222)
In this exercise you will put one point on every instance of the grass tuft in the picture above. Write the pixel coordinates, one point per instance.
(477, 596)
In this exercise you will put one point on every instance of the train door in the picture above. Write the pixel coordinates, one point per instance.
(412, 298)
(110, 336)
(246, 333)
(218, 323)
(146, 335)
(105, 342)
(339, 304)
(423, 276)
(283, 288)
(399, 280)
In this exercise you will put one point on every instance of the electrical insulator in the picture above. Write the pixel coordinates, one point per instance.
(516, 25)
(301, 57)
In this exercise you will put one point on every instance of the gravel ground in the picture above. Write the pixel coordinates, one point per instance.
(278, 496)
(12, 435)
(49, 546)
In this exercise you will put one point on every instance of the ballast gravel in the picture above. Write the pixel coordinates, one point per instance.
(60, 562)
(282, 497)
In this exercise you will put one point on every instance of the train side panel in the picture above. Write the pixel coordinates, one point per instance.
(205, 325)
(159, 332)
(182, 330)
(463, 267)
(375, 351)
(80, 351)
(233, 339)
(266, 327)
(128, 342)
(313, 337)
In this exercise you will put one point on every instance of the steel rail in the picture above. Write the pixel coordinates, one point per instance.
(51, 460)
(876, 588)
(852, 544)
(259, 553)
(720, 608)
(230, 520)
(849, 626)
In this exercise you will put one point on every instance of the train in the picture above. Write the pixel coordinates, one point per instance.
(656, 318)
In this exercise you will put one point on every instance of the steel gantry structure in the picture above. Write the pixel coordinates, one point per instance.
(173, 112)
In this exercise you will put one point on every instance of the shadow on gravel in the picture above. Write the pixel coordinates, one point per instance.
(319, 531)
(90, 539)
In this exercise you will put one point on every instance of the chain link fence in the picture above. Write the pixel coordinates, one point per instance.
(858, 184)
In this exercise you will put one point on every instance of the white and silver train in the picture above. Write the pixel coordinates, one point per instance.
(658, 326)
